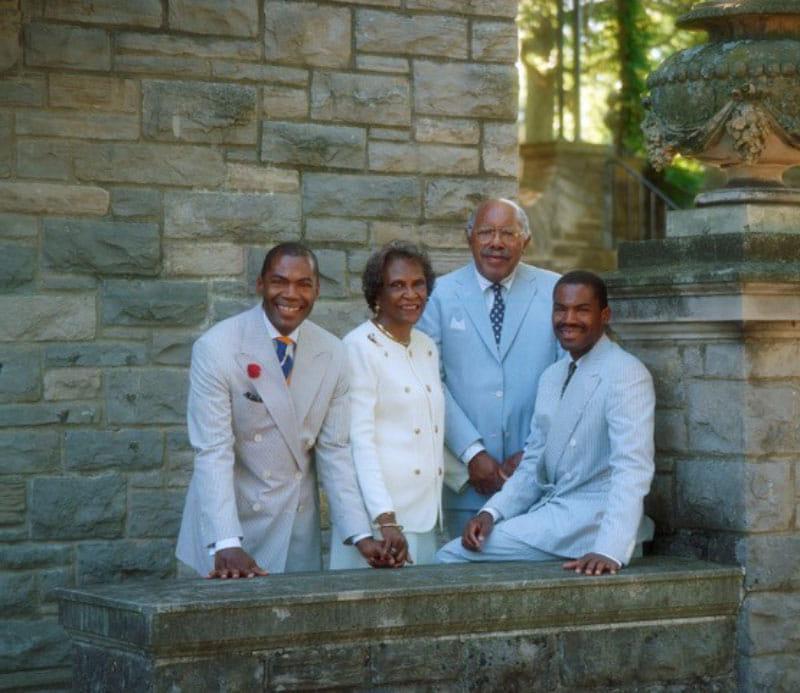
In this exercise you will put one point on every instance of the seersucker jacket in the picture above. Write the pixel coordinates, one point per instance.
(256, 461)
(588, 462)
(490, 390)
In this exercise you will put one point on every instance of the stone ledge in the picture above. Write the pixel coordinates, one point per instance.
(174, 618)
(501, 627)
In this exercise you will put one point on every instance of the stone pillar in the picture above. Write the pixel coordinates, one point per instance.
(714, 312)
(714, 308)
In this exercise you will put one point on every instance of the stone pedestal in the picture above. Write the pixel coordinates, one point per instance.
(714, 312)
(661, 624)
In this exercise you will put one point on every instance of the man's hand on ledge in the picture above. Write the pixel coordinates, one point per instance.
(592, 564)
(483, 473)
(476, 531)
(235, 563)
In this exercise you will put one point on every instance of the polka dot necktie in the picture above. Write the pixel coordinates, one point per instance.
(497, 312)
(282, 348)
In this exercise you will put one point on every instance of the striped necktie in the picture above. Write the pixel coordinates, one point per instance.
(282, 345)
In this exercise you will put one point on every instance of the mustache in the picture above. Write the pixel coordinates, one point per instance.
(563, 325)
(496, 253)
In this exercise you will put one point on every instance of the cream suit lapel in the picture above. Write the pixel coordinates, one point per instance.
(310, 364)
(571, 407)
(271, 385)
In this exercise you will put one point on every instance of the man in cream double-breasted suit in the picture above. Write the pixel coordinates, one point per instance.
(268, 407)
(588, 463)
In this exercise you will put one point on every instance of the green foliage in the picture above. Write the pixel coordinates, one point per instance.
(622, 41)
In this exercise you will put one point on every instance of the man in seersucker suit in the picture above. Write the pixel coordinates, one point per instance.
(588, 463)
(268, 409)
(491, 322)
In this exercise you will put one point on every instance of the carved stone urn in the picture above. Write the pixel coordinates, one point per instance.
(734, 102)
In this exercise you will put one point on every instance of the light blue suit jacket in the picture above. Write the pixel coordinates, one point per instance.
(588, 463)
(489, 390)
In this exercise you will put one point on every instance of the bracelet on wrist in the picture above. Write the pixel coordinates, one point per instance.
(391, 524)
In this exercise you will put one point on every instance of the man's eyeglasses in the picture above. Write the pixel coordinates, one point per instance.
(486, 235)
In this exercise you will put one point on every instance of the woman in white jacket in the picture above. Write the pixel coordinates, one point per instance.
(397, 411)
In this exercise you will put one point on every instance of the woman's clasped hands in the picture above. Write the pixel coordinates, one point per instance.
(394, 552)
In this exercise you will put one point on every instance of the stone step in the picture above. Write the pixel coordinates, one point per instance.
(474, 627)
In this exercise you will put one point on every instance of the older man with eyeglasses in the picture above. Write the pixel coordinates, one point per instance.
(491, 322)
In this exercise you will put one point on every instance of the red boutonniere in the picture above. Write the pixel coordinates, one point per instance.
(253, 370)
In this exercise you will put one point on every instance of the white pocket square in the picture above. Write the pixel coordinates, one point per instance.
(456, 324)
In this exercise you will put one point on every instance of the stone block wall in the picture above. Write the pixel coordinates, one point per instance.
(150, 153)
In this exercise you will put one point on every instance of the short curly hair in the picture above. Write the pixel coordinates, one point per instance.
(372, 278)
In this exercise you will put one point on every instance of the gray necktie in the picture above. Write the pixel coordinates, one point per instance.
(570, 373)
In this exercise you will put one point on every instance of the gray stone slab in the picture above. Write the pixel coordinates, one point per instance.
(465, 89)
(114, 561)
(17, 226)
(155, 513)
(641, 655)
(20, 374)
(495, 41)
(160, 47)
(172, 348)
(79, 125)
(40, 644)
(29, 452)
(95, 354)
(30, 197)
(28, 556)
(18, 264)
(147, 396)
(769, 560)
(360, 98)
(46, 318)
(336, 230)
(735, 218)
(232, 18)
(417, 35)
(65, 46)
(733, 495)
(27, 90)
(307, 33)
(101, 247)
(455, 198)
(93, 92)
(13, 502)
(49, 414)
(175, 303)
(769, 624)
(360, 196)
(150, 164)
(70, 507)
(308, 144)
(333, 273)
(135, 202)
(49, 158)
(16, 592)
(125, 450)
(244, 217)
(145, 13)
(199, 112)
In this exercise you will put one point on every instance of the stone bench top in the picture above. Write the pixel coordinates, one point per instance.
(182, 616)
